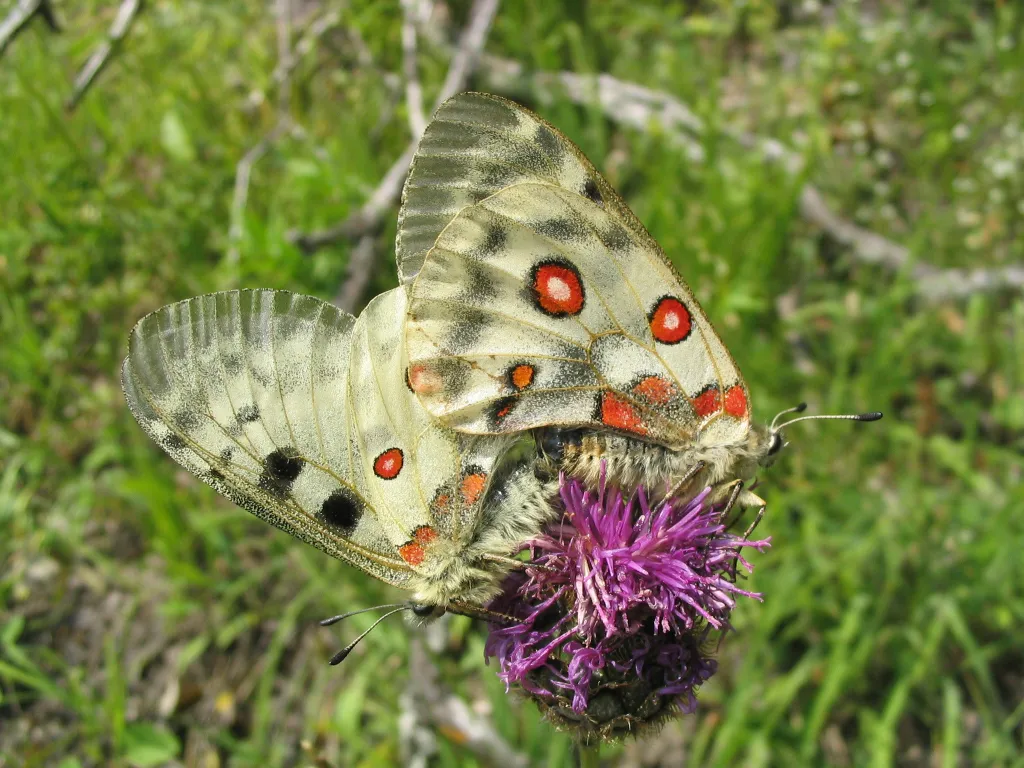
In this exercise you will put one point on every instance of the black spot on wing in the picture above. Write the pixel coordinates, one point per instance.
(172, 442)
(549, 144)
(494, 241)
(479, 285)
(466, 328)
(340, 512)
(280, 469)
(226, 454)
(186, 418)
(615, 237)
(591, 191)
(497, 175)
(563, 229)
(247, 414)
(501, 409)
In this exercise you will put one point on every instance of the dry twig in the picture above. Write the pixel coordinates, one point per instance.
(100, 57)
(413, 89)
(19, 17)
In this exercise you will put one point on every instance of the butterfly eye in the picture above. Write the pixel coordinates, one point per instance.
(776, 444)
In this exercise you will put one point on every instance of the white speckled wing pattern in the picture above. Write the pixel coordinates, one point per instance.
(299, 413)
(542, 301)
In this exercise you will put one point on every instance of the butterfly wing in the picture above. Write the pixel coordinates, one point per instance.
(475, 145)
(544, 302)
(257, 393)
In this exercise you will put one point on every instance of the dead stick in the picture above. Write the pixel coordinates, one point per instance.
(99, 59)
(21, 14)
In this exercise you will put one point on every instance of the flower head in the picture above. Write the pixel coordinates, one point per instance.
(615, 621)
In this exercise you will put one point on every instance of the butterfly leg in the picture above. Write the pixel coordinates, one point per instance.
(691, 473)
(746, 536)
(479, 612)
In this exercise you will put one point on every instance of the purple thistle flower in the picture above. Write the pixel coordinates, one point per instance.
(614, 629)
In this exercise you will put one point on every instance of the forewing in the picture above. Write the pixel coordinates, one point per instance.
(540, 306)
(475, 145)
(247, 390)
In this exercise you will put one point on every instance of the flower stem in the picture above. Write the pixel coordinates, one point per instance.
(589, 755)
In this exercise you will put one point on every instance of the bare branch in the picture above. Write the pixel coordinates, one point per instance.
(433, 703)
(368, 218)
(639, 107)
(100, 57)
(19, 17)
(413, 89)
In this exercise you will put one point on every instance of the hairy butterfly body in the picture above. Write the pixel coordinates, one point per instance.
(302, 415)
(538, 301)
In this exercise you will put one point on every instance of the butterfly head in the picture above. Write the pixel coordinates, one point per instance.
(774, 442)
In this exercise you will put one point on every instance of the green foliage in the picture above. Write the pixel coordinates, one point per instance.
(143, 620)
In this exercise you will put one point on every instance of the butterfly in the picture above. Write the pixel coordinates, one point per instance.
(538, 301)
(302, 415)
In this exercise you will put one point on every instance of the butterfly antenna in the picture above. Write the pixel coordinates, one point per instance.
(336, 619)
(798, 408)
(344, 652)
(872, 416)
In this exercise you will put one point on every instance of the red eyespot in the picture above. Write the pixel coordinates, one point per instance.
(709, 401)
(557, 288)
(618, 413)
(736, 402)
(670, 320)
(388, 464)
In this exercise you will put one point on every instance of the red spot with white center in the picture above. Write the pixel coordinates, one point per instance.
(736, 402)
(709, 401)
(618, 413)
(389, 464)
(670, 320)
(558, 289)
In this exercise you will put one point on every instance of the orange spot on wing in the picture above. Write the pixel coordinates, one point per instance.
(656, 389)
(389, 464)
(424, 535)
(670, 320)
(618, 413)
(472, 487)
(736, 402)
(413, 553)
(709, 401)
(522, 376)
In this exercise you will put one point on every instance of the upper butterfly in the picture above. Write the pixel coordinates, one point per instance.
(538, 300)
(301, 414)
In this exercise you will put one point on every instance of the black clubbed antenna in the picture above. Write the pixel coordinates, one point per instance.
(344, 652)
(339, 617)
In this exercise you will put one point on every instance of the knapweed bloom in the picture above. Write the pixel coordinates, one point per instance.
(617, 626)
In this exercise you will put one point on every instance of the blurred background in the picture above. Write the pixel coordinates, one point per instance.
(841, 183)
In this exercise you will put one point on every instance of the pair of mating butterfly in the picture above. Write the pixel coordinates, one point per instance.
(532, 299)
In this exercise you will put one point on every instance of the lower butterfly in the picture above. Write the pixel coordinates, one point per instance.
(302, 415)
